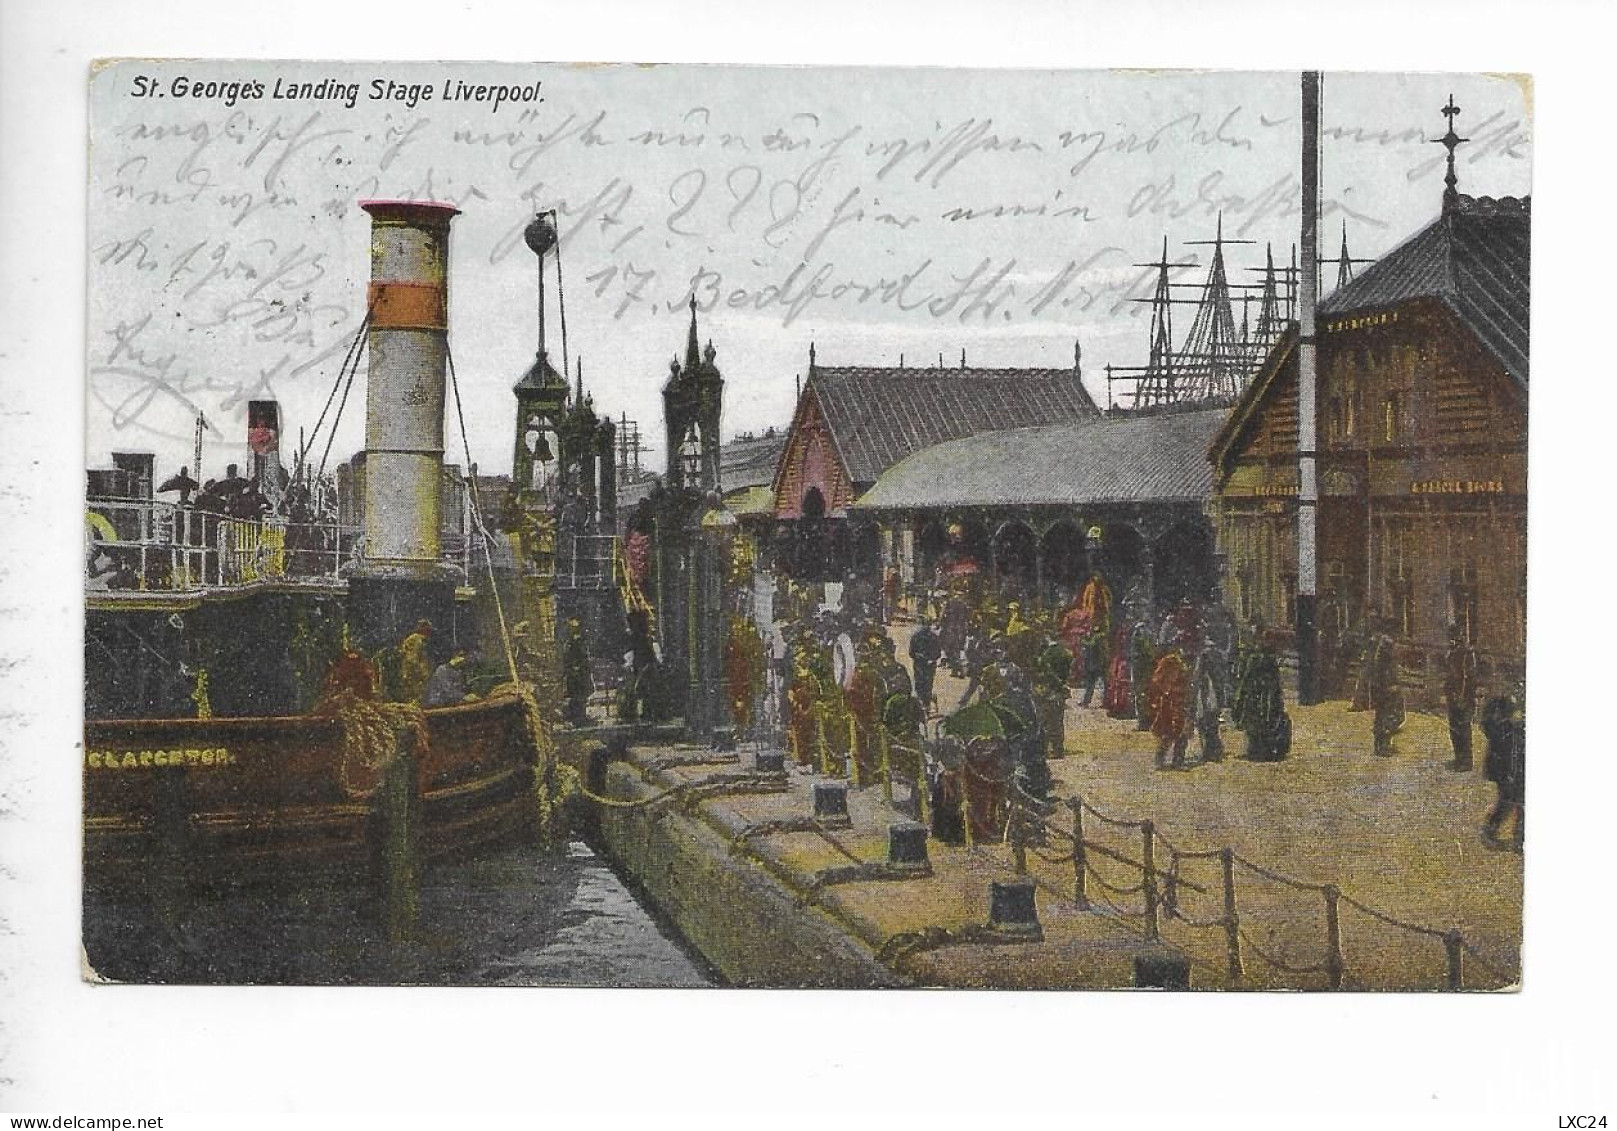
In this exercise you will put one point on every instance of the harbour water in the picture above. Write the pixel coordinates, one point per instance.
(515, 917)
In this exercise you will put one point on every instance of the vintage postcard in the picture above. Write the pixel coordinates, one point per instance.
(646, 526)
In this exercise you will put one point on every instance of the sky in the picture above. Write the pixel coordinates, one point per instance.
(875, 214)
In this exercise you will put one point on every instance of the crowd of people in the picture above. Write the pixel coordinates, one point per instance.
(847, 702)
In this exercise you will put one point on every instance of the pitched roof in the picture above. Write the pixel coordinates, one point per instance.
(877, 416)
(540, 375)
(1256, 389)
(1475, 259)
(1155, 458)
(750, 461)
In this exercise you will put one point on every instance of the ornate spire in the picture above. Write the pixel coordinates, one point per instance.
(693, 350)
(1451, 141)
(1344, 261)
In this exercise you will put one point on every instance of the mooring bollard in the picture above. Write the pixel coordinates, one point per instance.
(1013, 909)
(831, 804)
(906, 843)
(769, 762)
(1161, 967)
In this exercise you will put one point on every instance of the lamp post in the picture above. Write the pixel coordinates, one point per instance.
(708, 710)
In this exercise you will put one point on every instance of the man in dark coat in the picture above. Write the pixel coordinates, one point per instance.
(925, 652)
(1386, 700)
(1260, 707)
(1460, 694)
(577, 681)
(1505, 728)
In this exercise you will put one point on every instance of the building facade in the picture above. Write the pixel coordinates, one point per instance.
(1421, 415)
(853, 423)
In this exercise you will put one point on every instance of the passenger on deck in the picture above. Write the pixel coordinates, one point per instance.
(350, 674)
(183, 483)
(415, 668)
(448, 683)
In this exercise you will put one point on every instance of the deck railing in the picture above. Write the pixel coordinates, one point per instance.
(155, 546)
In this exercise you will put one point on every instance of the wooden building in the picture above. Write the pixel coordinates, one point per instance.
(1422, 455)
(853, 423)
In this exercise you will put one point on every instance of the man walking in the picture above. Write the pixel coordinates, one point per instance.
(1095, 620)
(1169, 703)
(1460, 693)
(577, 680)
(1505, 728)
(925, 651)
(1385, 698)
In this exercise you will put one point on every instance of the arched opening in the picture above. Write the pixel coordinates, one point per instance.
(1182, 563)
(931, 543)
(813, 506)
(1015, 557)
(1119, 554)
(1066, 562)
(811, 557)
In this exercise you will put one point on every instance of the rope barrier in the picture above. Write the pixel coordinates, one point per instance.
(1278, 964)
(1276, 877)
(628, 803)
(1113, 888)
(1390, 921)
(1114, 821)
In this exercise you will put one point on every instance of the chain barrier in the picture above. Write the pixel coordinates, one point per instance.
(1280, 964)
(1174, 883)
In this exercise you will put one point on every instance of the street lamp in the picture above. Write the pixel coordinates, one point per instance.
(716, 528)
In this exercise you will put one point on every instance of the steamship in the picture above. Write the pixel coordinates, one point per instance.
(210, 629)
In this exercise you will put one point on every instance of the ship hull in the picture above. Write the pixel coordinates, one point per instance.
(247, 798)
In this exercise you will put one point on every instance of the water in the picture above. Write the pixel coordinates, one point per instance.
(515, 917)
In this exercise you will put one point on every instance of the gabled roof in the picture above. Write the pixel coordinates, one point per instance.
(877, 416)
(1474, 258)
(1256, 389)
(1150, 458)
(540, 375)
(750, 461)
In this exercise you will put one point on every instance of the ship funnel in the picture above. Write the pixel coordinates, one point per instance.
(404, 398)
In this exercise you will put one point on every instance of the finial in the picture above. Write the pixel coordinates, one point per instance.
(1451, 141)
(811, 357)
(707, 354)
(580, 394)
(1077, 356)
(962, 357)
(693, 353)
